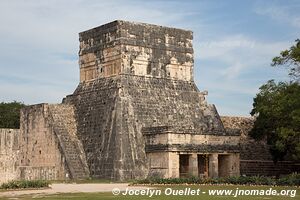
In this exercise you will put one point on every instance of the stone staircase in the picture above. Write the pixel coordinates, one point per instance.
(64, 127)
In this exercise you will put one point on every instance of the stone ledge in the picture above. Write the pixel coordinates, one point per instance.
(193, 148)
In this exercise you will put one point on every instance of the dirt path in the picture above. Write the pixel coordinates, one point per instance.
(72, 188)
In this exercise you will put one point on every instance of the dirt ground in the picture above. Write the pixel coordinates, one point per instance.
(71, 188)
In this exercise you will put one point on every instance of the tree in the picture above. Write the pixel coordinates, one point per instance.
(277, 109)
(10, 114)
(291, 59)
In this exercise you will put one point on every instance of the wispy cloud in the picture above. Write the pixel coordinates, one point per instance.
(39, 44)
(236, 67)
(281, 13)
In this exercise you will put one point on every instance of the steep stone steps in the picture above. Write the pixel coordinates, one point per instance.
(64, 125)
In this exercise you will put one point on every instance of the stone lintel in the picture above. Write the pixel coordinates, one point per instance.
(193, 148)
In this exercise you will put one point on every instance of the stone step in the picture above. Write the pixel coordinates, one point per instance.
(65, 128)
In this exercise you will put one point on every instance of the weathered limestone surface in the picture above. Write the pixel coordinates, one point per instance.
(255, 156)
(49, 147)
(193, 164)
(213, 165)
(115, 109)
(164, 138)
(135, 75)
(8, 154)
(135, 112)
(62, 119)
(122, 47)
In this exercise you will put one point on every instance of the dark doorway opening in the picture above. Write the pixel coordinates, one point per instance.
(203, 166)
(184, 165)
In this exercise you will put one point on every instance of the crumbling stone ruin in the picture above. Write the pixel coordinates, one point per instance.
(135, 113)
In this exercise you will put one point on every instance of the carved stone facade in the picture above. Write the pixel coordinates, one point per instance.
(136, 79)
(122, 47)
(135, 113)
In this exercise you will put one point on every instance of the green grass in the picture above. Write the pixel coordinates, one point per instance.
(109, 196)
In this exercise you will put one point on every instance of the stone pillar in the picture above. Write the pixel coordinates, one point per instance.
(193, 165)
(173, 165)
(213, 166)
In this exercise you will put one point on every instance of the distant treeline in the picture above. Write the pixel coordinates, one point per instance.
(10, 114)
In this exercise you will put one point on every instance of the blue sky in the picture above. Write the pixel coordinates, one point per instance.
(234, 42)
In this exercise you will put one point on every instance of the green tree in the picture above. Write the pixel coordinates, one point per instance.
(277, 109)
(290, 59)
(10, 114)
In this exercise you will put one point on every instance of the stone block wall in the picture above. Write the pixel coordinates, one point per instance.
(112, 111)
(40, 157)
(187, 138)
(122, 47)
(49, 147)
(159, 164)
(135, 75)
(163, 164)
(9, 151)
(229, 164)
(255, 156)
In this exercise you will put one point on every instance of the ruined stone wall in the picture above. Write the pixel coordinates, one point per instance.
(100, 52)
(163, 164)
(9, 154)
(112, 111)
(97, 108)
(164, 102)
(49, 147)
(135, 75)
(159, 164)
(40, 157)
(250, 149)
(122, 47)
(255, 156)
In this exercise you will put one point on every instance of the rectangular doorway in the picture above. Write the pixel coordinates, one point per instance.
(184, 165)
(203, 165)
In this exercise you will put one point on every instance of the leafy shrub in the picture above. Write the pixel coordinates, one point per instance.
(25, 184)
(289, 180)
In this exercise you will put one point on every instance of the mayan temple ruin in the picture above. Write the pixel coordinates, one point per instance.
(135, 113)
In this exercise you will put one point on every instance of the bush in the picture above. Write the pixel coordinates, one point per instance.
(25, 184)
(289, 180)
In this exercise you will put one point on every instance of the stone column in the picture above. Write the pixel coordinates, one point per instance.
(213, 166)
(173, 165)
(193, 164)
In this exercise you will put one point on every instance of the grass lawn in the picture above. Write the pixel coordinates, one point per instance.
(203, 188)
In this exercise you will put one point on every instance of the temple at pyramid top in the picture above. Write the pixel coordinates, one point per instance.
(139, 49)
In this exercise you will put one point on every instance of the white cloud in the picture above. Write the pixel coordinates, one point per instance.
(39, 41)
(221, 46)
(39, 45)
(238, 66)
(280, 13)
(239, 53)
(233, 70)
